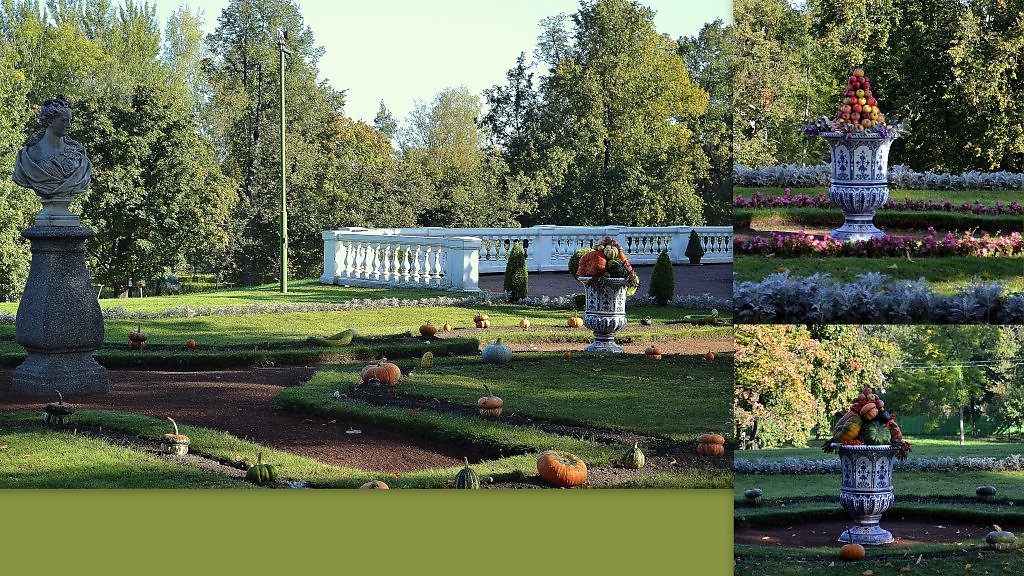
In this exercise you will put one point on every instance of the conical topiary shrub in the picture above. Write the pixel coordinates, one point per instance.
(663, 284)
(516, 277)
(694, 248)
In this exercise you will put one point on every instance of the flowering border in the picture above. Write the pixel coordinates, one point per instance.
(789, 245)
(821, 200)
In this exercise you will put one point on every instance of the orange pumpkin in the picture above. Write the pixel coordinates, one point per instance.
(567, 355)
(375, 485)
(592, 264)
(851, 552)
(490, 405)
(709, 356)
(447, 327)
(385, 372)
(137, 339)
(190, 344)
(480, 317)
(653, 352)
(711, 445)
(575, 322)
(483, 323)
(428, 330)
(561, 468)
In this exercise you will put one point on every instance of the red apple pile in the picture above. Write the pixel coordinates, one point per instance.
(859, 109)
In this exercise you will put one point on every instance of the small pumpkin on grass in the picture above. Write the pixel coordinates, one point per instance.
(646, 321)
(489, 405)
(190, 344)
(447, 327)
(427, 361)
(634, 458)
(986, 493)
(137, 339)
(383, 372)
(174, 443)
(753, 495)
(58, 414)
(710, 356)
(497, 353)
(999, 539)
(524, 324)
(711, 445)
(261, 473)
(653, 352)
(575, 322)
(851, 552)
(567, 354)
(428, 330)
(561, 468)
(467, 478)
(375, 485)
(482, 320)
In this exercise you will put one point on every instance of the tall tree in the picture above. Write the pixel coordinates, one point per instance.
(385, 122)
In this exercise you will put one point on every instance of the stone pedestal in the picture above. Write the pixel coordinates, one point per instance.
(59, 321)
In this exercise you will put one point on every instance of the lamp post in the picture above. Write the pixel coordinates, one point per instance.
(282, 39)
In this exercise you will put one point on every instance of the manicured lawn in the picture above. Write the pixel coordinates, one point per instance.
(889, 220)
(299, 291)
(957, 197)
(297, 326)
(680, 397)
(918, 484)
(921, 448)
(945, 274)
(754, 561)
(32, 456)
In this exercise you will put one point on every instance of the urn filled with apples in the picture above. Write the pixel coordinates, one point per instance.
(859, 138)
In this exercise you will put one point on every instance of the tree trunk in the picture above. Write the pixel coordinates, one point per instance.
(961, 425)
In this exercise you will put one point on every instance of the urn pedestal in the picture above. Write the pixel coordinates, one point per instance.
(860, 171)
(867, 491)
(59, 321)
(606, 311)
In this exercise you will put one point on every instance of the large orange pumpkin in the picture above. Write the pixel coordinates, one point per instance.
(385, 372)
(575, 322)
(561, 468)
(711, 445)
(490, 405)
(851, 552)
(592, 264)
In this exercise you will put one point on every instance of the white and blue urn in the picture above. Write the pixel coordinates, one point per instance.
(860, 170)
(867, 491)
(606, 311)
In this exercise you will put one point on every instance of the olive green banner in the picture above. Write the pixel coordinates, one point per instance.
(294, 531)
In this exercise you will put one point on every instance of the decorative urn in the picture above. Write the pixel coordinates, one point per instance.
(860, 169)
(866, 492)
(606, 311)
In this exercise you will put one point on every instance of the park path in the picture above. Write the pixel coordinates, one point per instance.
(714, 279)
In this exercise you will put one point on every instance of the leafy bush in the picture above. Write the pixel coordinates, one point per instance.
(516, 275)
(662, 281)
(873, 298)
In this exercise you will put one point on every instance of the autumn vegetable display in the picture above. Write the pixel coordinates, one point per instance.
(174, 443)
(467, 478)
(561, 468)
(261, 473)
(383, 372)
(999, 539)
(497, 353)
(489, 405)
(56, 414)
(711, 445)
(634, 458)
(868, 423)
(607, 260)
(482, 321)
(428, 330)
(137, 339)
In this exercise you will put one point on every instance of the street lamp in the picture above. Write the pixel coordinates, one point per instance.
(282, 39)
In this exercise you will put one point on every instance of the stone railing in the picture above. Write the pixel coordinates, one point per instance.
(453, 258)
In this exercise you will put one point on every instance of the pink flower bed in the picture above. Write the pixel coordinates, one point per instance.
(786, 245)
(790, 200)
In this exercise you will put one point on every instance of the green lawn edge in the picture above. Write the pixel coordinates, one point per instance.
(768, 218)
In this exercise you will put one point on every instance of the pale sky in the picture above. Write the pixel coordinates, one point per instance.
(407, 50)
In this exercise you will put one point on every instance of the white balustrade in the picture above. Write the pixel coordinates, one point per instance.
(453, 258)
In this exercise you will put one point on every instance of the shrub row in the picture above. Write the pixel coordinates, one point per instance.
(900, 176)
(787, 245)
(1013, 462)
(873, 298)
(821, 200)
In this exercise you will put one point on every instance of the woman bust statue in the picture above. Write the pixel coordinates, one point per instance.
(53, 165)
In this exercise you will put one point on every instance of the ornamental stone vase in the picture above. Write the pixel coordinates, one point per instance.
(606, 311)
(860, 171)
(867, 491)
